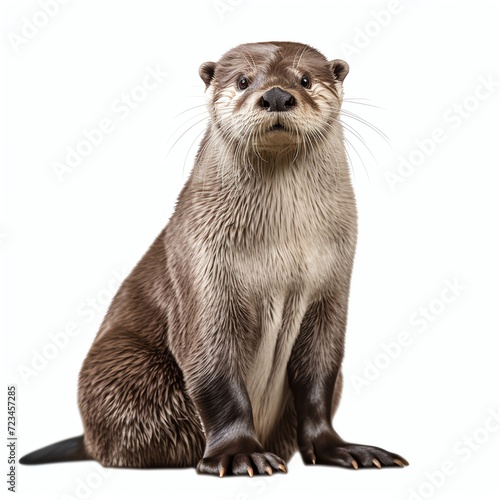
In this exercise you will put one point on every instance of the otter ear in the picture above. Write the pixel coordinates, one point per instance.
(206, 72)
(340, 69)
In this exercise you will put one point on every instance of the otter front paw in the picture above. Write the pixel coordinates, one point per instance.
(327, 450)
(241, 463)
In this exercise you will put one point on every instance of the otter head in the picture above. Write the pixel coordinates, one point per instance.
(276, 96)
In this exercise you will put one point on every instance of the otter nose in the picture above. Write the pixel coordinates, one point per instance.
(277, 100)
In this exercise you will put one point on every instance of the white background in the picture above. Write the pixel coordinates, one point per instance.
(62, 241)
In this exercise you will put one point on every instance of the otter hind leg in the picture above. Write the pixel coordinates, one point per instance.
(134, 406)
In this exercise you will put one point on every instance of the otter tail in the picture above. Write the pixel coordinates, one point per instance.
(69, 450)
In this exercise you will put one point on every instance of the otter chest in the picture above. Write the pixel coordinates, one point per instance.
(281, 280)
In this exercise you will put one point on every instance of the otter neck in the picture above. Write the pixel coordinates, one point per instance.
(273, 202)
(235, 165)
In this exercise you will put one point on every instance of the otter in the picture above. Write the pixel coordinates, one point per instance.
(222, 349)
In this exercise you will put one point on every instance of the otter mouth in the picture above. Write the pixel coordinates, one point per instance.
(277, 127)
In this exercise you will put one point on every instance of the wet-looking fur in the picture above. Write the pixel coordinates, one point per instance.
(222, 349)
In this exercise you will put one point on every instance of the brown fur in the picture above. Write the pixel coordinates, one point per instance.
(224, 345)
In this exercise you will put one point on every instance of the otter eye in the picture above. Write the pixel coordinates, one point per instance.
(305, 81)
(242, 83)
